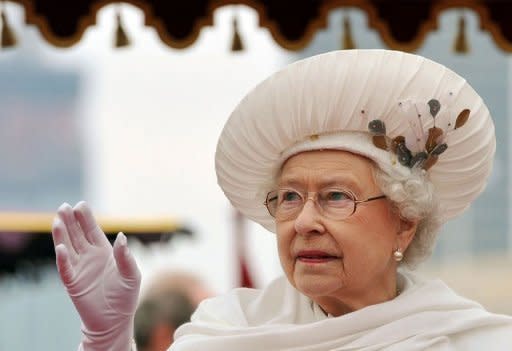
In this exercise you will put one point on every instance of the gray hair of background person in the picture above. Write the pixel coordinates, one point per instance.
(171, 307)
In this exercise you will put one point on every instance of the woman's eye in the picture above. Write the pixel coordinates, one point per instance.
(337, 196)
(291, 196)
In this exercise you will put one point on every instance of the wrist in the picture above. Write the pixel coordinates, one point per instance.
(117, 338)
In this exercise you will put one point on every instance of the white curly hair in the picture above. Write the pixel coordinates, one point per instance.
(414, 198)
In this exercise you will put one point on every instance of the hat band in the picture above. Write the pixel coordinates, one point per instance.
(352, 141)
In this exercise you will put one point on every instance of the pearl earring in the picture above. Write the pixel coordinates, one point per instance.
(398, 255)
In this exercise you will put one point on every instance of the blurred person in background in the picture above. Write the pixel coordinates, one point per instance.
(189, 284)
(157, 318)
(169, 300)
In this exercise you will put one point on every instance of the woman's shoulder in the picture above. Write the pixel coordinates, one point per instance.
(278, 302)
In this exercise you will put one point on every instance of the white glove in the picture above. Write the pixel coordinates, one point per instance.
(103, 282)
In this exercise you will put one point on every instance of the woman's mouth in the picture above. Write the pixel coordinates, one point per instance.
(314, 256)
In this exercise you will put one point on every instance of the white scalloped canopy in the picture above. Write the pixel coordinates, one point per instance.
(343, 91)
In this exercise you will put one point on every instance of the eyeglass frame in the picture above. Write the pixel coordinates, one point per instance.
(315, 200)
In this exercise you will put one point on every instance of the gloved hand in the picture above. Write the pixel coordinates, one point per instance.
(102, 281)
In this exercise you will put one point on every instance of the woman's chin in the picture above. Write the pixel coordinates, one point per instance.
(317, 286)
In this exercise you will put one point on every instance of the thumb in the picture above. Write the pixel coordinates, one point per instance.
(124, 259)
(64, 266)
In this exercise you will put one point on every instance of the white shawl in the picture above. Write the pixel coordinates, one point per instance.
(427, 315)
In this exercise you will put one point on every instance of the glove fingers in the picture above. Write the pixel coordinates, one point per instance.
(60, 237)
(92, 231)
(75, 233)
(64, 266)
(124, 259)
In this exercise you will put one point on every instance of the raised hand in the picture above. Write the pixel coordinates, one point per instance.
(102, 281)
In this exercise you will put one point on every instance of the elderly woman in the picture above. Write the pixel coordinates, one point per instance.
(354, 159)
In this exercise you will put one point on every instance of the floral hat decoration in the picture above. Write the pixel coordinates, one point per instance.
(403, 111)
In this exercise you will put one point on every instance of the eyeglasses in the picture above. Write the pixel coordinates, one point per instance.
(337, 204)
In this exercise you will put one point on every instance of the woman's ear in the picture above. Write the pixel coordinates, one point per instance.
(406, 231)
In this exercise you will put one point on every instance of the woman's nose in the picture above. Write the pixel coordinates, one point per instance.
(309, 219)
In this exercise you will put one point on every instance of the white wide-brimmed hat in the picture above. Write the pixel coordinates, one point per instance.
(403, 111)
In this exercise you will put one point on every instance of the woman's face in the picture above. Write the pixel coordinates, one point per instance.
(343, 265)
